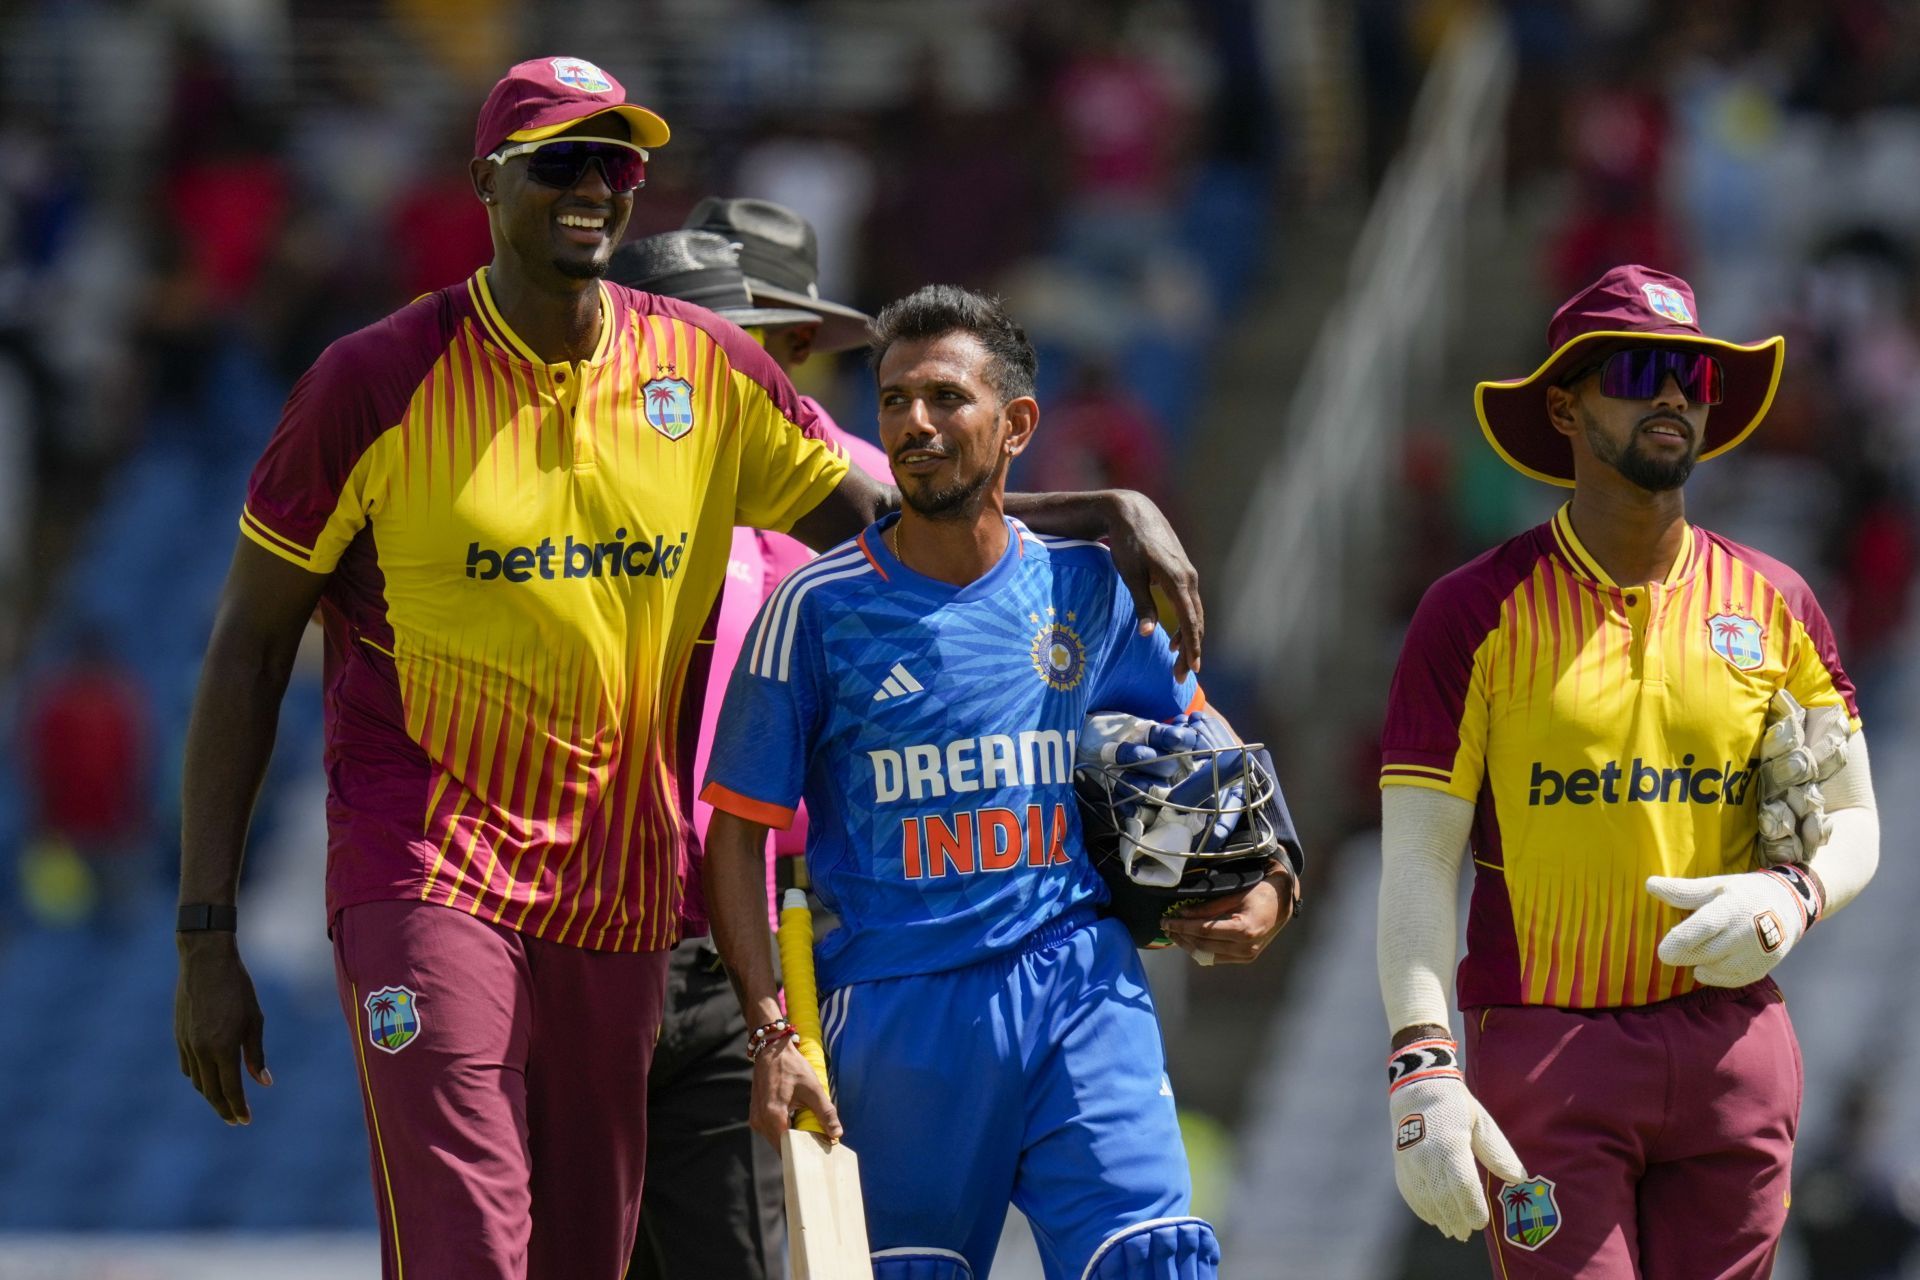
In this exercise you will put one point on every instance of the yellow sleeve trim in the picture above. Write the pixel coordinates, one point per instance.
(1431, 782)
(287, 550)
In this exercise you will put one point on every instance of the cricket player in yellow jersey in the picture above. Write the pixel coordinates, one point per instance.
(1644, 731)
(512, 501)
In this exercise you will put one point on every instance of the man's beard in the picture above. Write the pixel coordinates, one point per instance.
(592, 269)
(958, 500)
(1635, 465)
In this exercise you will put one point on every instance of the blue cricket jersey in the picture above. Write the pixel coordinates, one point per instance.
(930, 730)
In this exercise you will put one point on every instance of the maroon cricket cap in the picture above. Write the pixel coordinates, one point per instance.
(541, 97)
(1625, 307)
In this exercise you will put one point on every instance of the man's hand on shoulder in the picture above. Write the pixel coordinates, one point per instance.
(1146, 552)
(1150, 559)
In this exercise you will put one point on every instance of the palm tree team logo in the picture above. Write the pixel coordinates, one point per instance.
(668, 404)
(1529, 1215)
(1736, 639)
(393, 1018)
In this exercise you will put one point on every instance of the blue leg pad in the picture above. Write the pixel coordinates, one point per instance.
(920, 1264)
(1167, 1249)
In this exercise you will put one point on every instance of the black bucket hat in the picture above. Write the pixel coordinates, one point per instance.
(781, 258)
(697, 267)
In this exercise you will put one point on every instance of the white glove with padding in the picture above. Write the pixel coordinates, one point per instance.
(1742, 925)
(1799, 749)
(1441, 1135)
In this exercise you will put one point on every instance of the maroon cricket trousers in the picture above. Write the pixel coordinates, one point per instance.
(505, 1086)
(1663, 1134)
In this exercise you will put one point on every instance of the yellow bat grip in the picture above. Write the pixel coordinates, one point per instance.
(803, 1002)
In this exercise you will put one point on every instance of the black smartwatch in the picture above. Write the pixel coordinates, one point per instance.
(206, 917)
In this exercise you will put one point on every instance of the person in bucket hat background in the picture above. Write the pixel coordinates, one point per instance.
(1631, 720)
(509, 501)
(715, 1204)
(780, 258)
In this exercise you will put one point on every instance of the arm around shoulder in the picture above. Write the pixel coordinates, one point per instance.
(850, 506)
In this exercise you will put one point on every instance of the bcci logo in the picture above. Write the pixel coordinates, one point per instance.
(1058, 655)
(1736, 639)
(577, 73)
(1528, 1214)
(393, 1018)
(668, 404)
(1667, 302)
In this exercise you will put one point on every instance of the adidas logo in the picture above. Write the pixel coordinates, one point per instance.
(899, 684)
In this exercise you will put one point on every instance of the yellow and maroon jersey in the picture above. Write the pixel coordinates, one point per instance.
(1604, 734)
(523, 558)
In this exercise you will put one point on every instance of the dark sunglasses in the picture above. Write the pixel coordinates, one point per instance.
(1638, 373)
(562, 162)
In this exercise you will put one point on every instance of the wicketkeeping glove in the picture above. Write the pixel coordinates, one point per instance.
(1440, 1131)
(1799, 749)
(1742, 925)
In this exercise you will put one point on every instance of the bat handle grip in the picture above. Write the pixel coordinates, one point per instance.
(803, 999)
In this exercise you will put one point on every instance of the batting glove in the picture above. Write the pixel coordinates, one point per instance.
(1742, 925)
(1136, 743)
(1799, 749)
(1440, 1131)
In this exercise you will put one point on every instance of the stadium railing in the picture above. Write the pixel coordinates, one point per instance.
(1320, 510)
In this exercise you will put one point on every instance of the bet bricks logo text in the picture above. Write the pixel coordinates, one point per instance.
(572, 558)
(1637, 782)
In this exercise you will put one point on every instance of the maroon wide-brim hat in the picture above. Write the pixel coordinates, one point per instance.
(1627, 307)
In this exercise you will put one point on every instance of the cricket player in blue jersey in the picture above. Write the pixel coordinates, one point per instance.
(925, 689)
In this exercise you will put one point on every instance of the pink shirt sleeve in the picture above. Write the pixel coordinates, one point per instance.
(755, 565)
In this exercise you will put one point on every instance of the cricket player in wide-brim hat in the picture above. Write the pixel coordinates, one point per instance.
(1628, 309)
(1644, 732)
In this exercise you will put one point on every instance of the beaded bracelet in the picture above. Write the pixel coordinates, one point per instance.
(762, 1038)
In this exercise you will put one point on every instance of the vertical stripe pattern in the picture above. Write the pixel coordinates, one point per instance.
(1607, 734)
(546, 543)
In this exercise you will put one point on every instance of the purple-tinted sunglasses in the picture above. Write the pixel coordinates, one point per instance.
(562, 162)
(1638, 373)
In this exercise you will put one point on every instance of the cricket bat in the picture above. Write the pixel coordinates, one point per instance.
(826, 1218)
